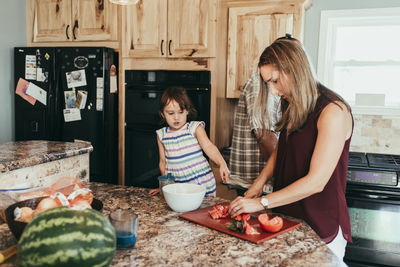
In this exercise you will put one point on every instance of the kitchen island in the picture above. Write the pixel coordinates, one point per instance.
(164, 239)
(41, 163)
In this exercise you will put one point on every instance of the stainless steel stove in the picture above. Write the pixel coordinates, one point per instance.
(373, 199)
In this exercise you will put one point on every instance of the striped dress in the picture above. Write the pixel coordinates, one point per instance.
(184, 157)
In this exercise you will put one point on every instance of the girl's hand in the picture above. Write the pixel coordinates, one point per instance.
(255, 190)
(244, 205)
(154, 192)
(224, 173)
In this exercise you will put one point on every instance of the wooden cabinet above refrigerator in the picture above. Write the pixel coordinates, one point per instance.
(68, 21)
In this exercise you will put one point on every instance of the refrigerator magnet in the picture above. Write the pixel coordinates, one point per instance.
(30, 67)
(37, 92)
(72, 114)
(22, 86)
(76, 78)
(113, 80)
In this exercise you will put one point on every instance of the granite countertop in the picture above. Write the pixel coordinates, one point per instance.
(16, 155)
(164, 239)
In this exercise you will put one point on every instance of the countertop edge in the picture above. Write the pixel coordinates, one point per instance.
(41, 157)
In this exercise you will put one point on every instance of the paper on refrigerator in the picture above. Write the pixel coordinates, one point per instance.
(76, 78)
(22, 85)
(37, 92)
(72, 114)
(30, 67)
(81, 98)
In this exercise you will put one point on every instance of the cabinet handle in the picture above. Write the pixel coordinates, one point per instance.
(169, 47)
(162, 43)
(66, 32)
(73, 29)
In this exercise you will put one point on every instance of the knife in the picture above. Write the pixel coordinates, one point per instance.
(5, 254)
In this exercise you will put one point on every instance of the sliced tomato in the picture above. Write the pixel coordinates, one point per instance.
(238, 217)
(273, 225)
(225, 212)
(250, 230)
(213, 213)
(245, 216)
(219, 207)
(219, 211)
(263, 218)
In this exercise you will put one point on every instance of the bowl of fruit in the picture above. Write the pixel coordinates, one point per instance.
(19, 214)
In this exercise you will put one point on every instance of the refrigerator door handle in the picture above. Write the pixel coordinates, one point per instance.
(34, 126)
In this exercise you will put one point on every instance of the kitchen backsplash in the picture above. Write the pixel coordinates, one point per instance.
(376, 134)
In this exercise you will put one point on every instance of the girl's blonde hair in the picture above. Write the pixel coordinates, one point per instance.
(289, 57)
(178, 94)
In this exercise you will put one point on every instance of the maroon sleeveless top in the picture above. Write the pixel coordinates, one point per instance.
(323, 211)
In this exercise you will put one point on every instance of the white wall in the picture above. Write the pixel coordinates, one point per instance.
(12, 33)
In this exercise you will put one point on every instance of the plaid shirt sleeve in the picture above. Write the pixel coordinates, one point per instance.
(246, 161)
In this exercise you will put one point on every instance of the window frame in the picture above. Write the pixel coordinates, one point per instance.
(330, 21)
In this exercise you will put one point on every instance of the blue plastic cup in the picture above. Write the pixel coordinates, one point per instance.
(164, 180)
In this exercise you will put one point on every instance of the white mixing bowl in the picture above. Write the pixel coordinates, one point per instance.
(182, 197)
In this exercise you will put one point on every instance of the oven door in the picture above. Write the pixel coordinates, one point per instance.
(141, 156)
(375, 227)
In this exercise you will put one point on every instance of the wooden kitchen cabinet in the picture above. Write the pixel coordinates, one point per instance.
(252, 26)
(71, 20)
(170, 28)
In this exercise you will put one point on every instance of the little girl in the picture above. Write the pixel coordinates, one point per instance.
(181, 143)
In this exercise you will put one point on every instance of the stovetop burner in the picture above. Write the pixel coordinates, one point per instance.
(384, 161)
(358, 159)
(374, 160)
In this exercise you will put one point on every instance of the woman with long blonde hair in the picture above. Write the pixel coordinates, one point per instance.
(309, 165)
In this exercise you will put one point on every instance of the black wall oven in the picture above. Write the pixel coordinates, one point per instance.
(373, 199)
(143, 92)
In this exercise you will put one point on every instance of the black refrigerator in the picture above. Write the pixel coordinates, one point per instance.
(68, 76)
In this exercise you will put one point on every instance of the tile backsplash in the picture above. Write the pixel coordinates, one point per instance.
(376, 134)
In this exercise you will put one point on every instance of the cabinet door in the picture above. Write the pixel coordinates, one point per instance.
(191, 28)
(145, 32)
(51, 20)
(94, 20)
(251, 30)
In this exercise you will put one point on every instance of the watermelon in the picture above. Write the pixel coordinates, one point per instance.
(66, 237)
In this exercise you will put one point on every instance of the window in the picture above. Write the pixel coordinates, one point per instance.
(359, 58)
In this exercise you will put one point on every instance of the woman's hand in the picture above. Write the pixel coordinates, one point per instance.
(224, 173)
(154, 192)
(255, 190)
(244, 205)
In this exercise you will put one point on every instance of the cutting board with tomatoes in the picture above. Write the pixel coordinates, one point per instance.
(202, 216)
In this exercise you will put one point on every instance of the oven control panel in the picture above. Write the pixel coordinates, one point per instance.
(375, 177)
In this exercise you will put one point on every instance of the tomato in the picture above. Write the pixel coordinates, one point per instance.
(273, 225)
(263, 218)
(245, 216)
(219, 211)
(214, 214)
(249, 230)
